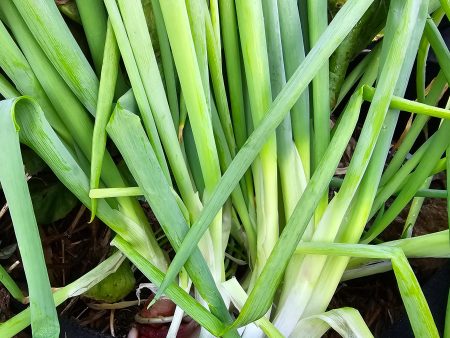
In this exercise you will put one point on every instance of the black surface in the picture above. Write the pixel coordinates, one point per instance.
(436, 292)
(71, 329)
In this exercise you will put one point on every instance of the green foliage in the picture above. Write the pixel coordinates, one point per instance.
(51, 200)
(218, 114)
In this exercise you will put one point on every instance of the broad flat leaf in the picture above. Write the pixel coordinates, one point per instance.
(32, 162)
(51, 200)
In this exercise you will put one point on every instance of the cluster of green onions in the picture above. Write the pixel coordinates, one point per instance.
(221, 112)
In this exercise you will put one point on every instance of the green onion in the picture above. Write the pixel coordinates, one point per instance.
(53, 35)
(235, 155)
(293, 55)
(13, 62)
(157, 191)
(136, 82)
(360, 206)
(12, 177)
(69, 110)
(410, 290)
(94, 20)
(335, 33)
(235, 79)
(104, 107)
(250, 19)
(7, 90)
(167, 62)
(317, 22)
(38, 135)
(182, 43)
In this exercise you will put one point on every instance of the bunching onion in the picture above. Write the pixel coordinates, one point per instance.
(231, 118)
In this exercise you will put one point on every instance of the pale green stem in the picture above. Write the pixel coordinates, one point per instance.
(179, 32)
(14, 186)
(136, 80)
(94, 19)
(217, 79)
(215, 20)
(293, 55)
(317, 23)
(414, 211)
(7, 90)
(292, 173)
(402, 104)
(197, 12)
(251, 20)
(53, 35)
(104, 108)
(16, 66)
(170, 76)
